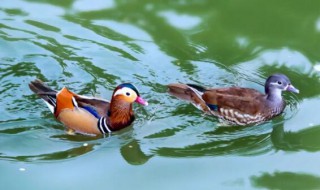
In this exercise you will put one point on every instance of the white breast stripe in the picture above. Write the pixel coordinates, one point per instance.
(102, 126)
(105, 125)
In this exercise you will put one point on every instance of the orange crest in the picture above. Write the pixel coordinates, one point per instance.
(65, 100)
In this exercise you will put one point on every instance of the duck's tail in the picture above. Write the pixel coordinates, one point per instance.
(191, 93)
(44, 92)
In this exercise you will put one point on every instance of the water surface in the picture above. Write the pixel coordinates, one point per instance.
(91, 46)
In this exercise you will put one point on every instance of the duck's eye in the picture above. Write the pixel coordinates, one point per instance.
(128, 93)
(279, 82)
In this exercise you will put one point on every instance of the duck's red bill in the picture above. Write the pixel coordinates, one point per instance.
(141, 101)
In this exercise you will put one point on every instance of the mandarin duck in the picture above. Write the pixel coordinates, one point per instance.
(90, 115)
(238, 106)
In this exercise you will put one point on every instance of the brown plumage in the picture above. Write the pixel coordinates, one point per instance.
(88, 114)
(239, 106)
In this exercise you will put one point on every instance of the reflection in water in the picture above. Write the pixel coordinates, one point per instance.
(32, 133)
(223, 144)
(184, 22)
(248, 145)
(219, 142)
(306, 139)
(286, 181)
(77, 137)
(230, 141)
(17, 130)
(60, 155)
(133, 154)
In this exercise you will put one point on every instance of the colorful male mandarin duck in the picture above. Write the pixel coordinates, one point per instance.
(238, 106)
(90, 115)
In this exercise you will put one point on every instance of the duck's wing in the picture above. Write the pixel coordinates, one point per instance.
(238, 105)
(243, 100)
(97, 106)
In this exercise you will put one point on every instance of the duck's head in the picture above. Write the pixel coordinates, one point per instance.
(128, 93)
(277, 83)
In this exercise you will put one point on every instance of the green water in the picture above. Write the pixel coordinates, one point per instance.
(93, 45)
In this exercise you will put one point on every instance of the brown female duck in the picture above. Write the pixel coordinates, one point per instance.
(238, 106)
(88, 114)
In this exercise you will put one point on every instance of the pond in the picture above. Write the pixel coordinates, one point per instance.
(92, 46)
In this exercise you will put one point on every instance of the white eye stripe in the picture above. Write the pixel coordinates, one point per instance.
(124, 91)
(276, 83)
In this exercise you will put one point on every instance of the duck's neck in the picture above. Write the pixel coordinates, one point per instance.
(274, 95)
(120, 114)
